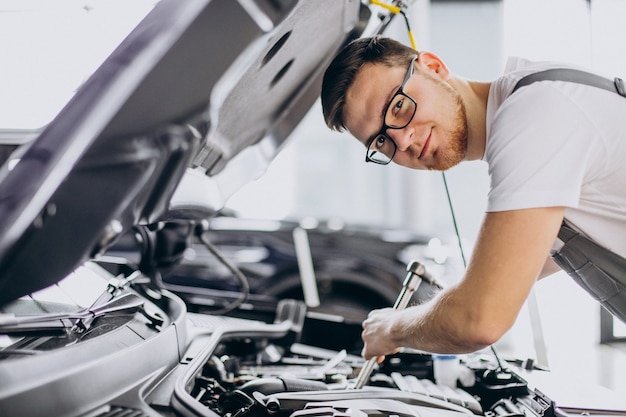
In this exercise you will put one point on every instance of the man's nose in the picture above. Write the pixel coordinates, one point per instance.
(401, 137)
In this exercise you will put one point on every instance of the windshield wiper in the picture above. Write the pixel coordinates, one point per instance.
(126, 303)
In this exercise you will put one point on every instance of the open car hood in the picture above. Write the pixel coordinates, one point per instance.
(194, 88)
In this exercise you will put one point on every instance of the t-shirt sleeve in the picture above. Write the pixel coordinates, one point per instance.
(537, 151)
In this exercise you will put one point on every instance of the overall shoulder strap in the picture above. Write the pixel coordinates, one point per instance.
(601, 272)
(575, 76)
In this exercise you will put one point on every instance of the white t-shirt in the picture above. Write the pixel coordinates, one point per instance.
(557, 143)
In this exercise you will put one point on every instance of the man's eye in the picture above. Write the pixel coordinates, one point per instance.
(397, 106)
(380, 142)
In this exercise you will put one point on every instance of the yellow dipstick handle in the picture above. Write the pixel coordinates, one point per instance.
(392, 9)
(396, 10)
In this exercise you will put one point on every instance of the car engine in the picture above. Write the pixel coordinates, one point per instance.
(265, 371)
(141, 353)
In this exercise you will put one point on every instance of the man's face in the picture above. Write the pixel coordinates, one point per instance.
(436, 137)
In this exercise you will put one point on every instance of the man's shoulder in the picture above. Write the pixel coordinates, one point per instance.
(517, 68)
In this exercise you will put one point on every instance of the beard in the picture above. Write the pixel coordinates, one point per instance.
(455, 149)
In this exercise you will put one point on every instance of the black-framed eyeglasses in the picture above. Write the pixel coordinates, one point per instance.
(400, 111)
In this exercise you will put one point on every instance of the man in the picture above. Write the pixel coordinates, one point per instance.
(555, 151)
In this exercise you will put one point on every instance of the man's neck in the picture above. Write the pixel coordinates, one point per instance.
(474, 95)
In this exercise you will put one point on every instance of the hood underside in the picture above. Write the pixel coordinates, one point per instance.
(194, 84)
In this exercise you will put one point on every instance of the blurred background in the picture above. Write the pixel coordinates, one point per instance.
(321, 174)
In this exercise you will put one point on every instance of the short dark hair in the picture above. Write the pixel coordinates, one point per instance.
(342, 71)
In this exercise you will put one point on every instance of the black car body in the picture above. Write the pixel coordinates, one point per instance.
(341, 271)
(356, 268)
(86, 333)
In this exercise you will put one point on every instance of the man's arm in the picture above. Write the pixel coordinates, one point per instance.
(509, 255)
(549, 268)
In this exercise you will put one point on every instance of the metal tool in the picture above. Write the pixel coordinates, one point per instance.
(416, 273)
(122, 304)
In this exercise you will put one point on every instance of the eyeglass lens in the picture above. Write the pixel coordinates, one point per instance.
(399, 113)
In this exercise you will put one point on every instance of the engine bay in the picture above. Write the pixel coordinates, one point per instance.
(265, 371)
(142, 353)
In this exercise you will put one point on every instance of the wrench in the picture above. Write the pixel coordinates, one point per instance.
(416, 273)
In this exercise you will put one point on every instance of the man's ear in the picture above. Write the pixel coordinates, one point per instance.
(433, 63)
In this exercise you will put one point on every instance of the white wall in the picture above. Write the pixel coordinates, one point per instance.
(41, 81)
